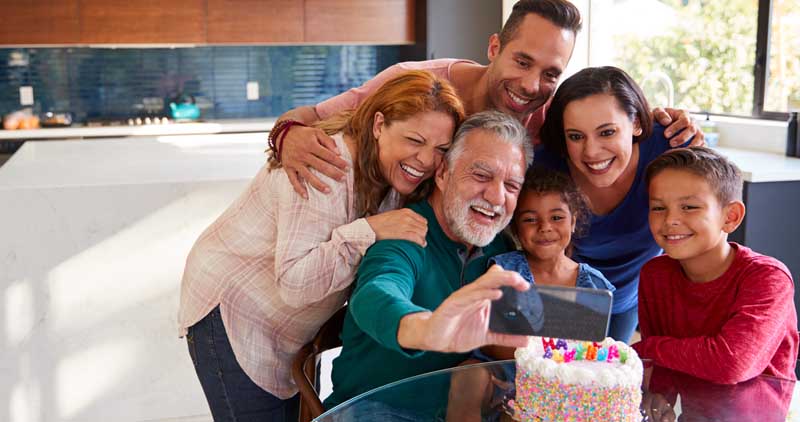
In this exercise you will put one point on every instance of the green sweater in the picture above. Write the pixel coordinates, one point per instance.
(397, 278)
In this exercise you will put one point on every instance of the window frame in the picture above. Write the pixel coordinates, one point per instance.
(761, 65)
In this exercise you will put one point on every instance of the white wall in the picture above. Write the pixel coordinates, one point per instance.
(461, 28)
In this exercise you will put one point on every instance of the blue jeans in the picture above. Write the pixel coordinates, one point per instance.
(231, 394)
(623, 324)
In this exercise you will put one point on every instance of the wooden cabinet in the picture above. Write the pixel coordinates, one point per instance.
(207, 22)
(255, 21)
(142, 21)
(39, 22)
(359, 21)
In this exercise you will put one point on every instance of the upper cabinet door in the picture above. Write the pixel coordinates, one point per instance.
(360, 21)
(255, 21)
(143, 21)
(39, 22)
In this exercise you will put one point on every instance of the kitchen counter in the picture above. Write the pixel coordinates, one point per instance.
(94, 239)
(140, 160)
(208, 127)
(760, 167)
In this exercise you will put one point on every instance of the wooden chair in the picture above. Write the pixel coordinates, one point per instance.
(797, 364)
(304, 366)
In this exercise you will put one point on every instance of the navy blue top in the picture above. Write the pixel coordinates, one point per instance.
(587, 276)
(619, 243)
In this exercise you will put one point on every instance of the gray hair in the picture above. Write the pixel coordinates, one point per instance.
(505, 127)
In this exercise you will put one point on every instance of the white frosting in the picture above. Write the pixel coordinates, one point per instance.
(583, 372)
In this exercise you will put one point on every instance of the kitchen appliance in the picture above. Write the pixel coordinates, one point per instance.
(53, 119)
(130, 121)
(184, 108)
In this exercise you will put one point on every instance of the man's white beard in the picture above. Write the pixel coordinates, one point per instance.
(456, 214)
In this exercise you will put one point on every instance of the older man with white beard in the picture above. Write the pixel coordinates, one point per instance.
(416, 310)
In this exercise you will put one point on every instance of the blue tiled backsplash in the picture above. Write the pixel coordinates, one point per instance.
(100, 82)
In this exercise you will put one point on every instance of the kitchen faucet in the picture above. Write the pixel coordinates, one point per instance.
(664, 79)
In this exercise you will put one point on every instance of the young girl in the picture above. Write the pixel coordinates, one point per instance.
(550, 210)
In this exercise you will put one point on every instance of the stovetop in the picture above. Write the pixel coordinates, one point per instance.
(130, 121)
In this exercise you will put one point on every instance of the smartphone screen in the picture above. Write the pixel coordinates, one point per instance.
(550, 311)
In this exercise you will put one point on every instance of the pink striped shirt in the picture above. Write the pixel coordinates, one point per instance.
(278, 266)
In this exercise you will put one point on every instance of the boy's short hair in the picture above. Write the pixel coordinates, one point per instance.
(722, 175)
(561, 13)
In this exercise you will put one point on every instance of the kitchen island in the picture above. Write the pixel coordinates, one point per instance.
(94, 239)
(186, 128)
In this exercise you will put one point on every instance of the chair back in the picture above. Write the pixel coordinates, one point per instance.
(797, 364)
(306, 361)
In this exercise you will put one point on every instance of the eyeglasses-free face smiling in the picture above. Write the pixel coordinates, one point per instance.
(543, 224)
(686, 218)
(523, 74)
(599, 137)
(480, 191)
(410, 150)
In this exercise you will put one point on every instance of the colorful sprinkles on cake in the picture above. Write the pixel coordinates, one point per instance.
(555, 391)
(548, 400)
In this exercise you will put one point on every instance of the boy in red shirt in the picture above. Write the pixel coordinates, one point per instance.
(711, 308)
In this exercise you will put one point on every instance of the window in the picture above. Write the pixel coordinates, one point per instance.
(782, 73)
(702, 55)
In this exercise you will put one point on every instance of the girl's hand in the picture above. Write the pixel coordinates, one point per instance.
(402, 224)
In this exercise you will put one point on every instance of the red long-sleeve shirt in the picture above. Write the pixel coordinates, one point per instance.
(728, 330)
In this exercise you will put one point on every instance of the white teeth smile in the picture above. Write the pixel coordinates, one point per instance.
(602, 165)
(677, 236)
(517, 99)
(412, 171)
(484, 211)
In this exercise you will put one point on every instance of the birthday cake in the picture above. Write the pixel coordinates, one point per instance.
(566, 380)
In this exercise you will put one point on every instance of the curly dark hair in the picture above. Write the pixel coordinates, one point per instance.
(541, 181)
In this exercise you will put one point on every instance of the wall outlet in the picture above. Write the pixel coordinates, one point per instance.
(252, 91)
(26, 95)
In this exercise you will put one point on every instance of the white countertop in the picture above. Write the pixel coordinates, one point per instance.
(216, 126)
(158, 159)
(763, 166)
(139, 160)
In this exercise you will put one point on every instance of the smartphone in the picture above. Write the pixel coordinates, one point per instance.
(549, 311)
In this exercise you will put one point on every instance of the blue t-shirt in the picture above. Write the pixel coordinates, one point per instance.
(587, 276)
(619, 243)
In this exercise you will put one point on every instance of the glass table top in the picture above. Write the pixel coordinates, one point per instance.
(482, 392)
